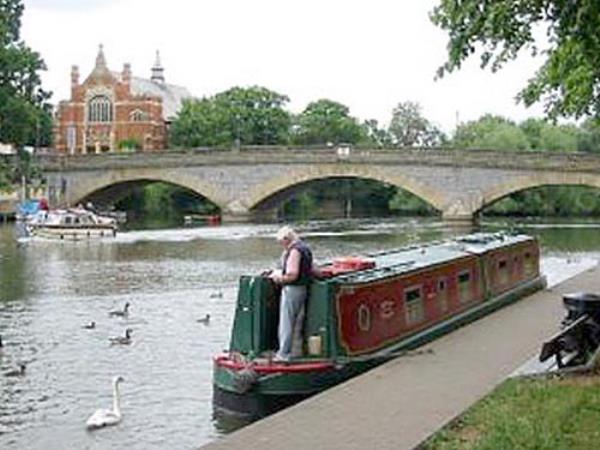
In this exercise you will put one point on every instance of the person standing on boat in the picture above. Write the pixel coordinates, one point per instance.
(295, 275)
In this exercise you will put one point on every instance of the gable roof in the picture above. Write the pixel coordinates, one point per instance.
(172, 95)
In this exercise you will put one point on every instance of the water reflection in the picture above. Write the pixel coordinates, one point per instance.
(48, 290)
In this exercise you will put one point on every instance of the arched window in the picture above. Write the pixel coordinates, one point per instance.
(100, 109)
(138, 116)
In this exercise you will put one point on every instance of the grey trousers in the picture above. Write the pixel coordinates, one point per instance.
(291, 316)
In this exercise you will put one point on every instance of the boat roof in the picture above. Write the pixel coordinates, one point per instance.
(408, 259)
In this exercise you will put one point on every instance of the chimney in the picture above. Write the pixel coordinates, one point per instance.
(126, 74)
(74, 76)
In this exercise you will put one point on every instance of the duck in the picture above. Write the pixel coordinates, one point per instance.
(17, 372)
(218, 294)
(120, 313)
(107, 417)
(90, 326)
(122, 340)
(205, 320)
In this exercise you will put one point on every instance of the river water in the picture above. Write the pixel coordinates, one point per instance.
(49, 290)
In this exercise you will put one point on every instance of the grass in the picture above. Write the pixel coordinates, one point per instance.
(529, 413)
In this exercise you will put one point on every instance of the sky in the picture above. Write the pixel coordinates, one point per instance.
(368, 55)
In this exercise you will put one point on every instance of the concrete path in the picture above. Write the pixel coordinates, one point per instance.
(399, 404)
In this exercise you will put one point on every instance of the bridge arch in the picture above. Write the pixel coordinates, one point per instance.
(103, 180)
(537, 180)
(300, 175)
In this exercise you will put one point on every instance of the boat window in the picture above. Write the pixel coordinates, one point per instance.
(442, 295)
(528, 264)
(76, 220)
(503, 272)
(415, 312)
(68, 219)
(464, 286)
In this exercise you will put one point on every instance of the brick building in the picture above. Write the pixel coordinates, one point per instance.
(112, 111)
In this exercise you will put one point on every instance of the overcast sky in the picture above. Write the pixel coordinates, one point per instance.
(368, 55)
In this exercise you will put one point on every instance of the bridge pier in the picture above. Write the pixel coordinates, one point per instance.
(237, 217)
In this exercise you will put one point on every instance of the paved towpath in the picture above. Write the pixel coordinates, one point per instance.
(399, 404)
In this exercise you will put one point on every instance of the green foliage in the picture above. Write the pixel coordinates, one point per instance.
(129, 144)
(588, 139)
(244, 116)
(5, 176)
(569, 80)
(404, 202)
(24, 114)
(351, 197)
(374, 135)
(549, 201)
(409, 128)
(490, 132)
(326, 121)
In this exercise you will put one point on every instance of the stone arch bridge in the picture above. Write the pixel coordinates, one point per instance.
(458, 183)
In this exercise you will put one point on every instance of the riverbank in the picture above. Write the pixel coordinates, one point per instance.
(529, 413)
(400, 404)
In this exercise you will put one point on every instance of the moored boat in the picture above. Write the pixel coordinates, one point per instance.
(71, 224)
(364, 311)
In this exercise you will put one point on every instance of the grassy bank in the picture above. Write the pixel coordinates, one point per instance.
(529, 413)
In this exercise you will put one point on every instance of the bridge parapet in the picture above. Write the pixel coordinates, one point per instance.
(580, 162)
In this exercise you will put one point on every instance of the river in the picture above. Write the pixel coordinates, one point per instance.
(49, 290)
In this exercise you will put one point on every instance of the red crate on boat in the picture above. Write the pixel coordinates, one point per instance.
(346, 264)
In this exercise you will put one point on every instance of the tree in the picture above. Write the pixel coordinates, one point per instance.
(375, 135)
(326, 121)
(546, 136)
(588, 140)
(569, 80)
(409, 128)
(244, 116)
(24, 113)
(490, 133)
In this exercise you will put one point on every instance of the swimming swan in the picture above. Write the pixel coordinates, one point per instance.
(106, 417)
(119, 313)
(122, 340)
(205, 320)
(16, 372)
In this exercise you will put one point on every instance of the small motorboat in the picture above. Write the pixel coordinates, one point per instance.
(71, 224)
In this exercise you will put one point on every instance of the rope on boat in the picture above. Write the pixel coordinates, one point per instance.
(377, 356)
(244, 380)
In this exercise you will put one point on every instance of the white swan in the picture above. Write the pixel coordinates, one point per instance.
(106, 417)
(122, 340)
(16, 372)
(119, 313)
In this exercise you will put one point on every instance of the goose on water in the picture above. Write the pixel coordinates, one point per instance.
(122, 340)
(106, 417)
(205, 320)
(16, 372)
(90, 326)
(120, 313)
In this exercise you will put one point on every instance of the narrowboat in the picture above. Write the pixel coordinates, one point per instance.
(363, 311)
